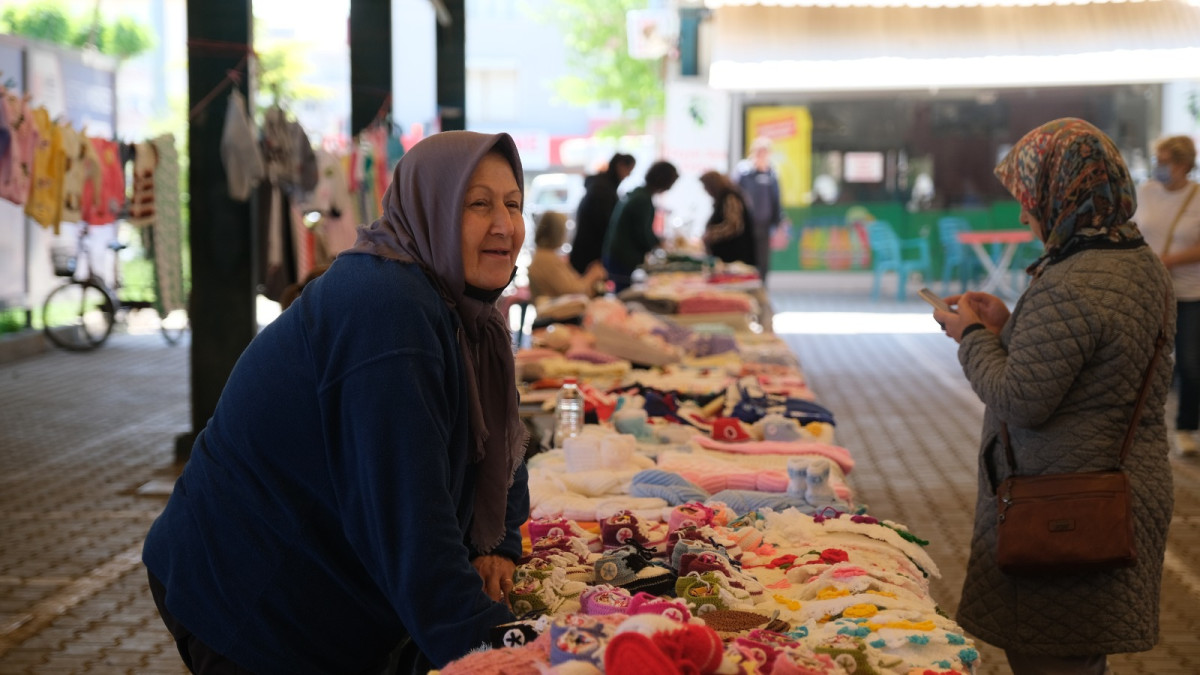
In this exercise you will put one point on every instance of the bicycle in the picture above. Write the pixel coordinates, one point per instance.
(79, 314)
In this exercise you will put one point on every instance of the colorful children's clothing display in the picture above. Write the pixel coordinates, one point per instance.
(702, 521)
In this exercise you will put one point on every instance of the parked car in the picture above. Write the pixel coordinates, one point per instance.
(554, 192)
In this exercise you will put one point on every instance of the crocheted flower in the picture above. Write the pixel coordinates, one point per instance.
(833, 556)
(782, 562)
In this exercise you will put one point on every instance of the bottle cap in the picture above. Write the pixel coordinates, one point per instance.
(570, 380)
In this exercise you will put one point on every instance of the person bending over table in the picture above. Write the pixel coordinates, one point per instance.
(549, 274)
(1063, 370)
(595, 211)
(360, 488)
(729, 234)
(631, 235)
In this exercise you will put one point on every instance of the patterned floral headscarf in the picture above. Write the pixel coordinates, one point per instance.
(1071, 177)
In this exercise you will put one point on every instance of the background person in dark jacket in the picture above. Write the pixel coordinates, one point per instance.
(361, 484)
(760, 187)
(631, 233)
(729, 234)
(595, 211)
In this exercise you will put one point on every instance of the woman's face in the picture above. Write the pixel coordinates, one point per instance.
(493, 228)
(1177, 173)
(1035, 225)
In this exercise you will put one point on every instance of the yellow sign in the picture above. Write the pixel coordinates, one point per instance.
(789, 129)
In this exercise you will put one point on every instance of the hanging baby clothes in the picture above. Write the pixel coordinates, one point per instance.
(168, 226)
(277, 258)
(45, 194)
(304, 174)
(104, 198)
(73, 174)
(14, 186)
(239, 150)
(141, 203)
(336, 230)
(304, 162)
(6, 139)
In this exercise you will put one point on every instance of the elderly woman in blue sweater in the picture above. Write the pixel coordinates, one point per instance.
(361, 484)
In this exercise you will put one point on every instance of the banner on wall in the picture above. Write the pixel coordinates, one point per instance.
(789, 129)
(697, 130)
(834, 244)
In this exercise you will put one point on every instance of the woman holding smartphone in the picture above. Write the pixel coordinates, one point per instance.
(1062, 371)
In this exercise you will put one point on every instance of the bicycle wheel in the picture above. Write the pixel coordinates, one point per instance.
(173, 326)
(78, 316)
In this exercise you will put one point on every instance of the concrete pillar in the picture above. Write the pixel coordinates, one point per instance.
(370, 61)
(221, 235)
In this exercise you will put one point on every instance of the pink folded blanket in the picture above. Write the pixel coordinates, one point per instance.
(834, 452)
(711, 303)
(713, 475)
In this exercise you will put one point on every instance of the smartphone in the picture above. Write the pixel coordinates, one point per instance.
(933, 299)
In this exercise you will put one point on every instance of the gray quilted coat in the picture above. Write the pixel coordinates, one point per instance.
(1064, 374)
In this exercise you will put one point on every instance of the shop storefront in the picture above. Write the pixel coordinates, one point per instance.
(903, 109)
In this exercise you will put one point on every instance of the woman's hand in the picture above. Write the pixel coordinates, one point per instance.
(992, 311)
(972, 308)
(595, 272)
(497, 574)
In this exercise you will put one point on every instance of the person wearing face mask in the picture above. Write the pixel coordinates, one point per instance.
(356, 499)
(1169, 217)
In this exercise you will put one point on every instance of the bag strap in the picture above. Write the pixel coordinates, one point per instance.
(1143, 393)
(1171, 232)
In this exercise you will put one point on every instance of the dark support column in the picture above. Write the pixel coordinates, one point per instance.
(370, 61)
(452, 68)
(221, 235)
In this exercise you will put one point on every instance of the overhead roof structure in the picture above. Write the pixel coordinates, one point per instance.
(861, 45)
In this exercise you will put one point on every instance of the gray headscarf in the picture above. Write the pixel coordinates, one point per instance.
(422, 224)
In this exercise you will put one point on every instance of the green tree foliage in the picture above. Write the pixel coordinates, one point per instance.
(46, 21)
(50, 22)
(282, 67)
(124, 38)
(603, 72)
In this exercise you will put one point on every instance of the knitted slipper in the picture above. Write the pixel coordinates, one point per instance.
(605, 599)
(693, 514)
(562, 527)
(623, 528)
(672, 608)
(712, 562)
(576, 637)
(701, 595)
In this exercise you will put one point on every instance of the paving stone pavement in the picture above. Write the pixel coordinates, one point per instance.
(80, 433)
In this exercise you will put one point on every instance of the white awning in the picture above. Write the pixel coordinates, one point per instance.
(857, 48)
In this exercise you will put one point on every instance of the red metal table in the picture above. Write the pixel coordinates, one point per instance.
(997, 280)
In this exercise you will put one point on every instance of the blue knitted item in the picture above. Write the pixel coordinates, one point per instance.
(667, 486)
(744, 501)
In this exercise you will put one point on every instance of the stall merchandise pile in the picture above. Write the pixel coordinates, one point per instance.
(702, 522)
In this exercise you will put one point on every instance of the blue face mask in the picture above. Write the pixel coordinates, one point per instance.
(1161, 173)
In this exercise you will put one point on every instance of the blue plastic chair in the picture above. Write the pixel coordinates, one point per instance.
(889, 253)
(956, 256)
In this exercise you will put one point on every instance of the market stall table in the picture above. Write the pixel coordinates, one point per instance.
(998, 279)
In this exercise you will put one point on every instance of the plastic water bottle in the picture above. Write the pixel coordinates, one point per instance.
(568, 420)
